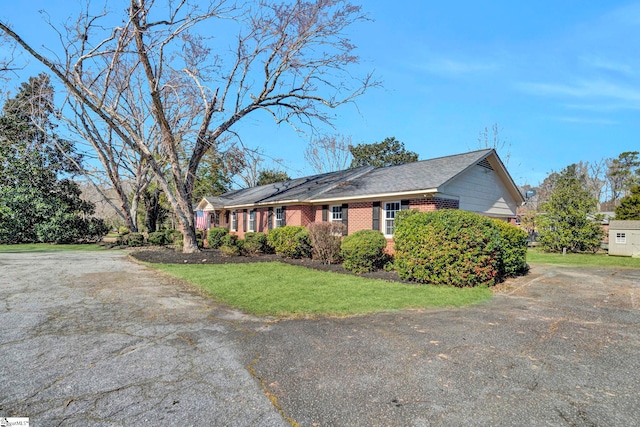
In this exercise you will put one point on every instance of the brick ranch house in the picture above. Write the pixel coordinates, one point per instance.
(367, 197)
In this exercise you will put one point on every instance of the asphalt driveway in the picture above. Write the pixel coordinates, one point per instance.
(93, 339)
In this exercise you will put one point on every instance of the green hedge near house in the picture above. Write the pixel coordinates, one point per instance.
(215, 237)
(363, 251)
(455, 247)
(513, 247)
(291, 241)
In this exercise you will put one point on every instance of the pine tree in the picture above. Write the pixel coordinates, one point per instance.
(629, 207)
(569, 219)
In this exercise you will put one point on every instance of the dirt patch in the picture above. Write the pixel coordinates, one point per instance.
(157, 255)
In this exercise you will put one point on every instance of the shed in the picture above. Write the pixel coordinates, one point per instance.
(624, 238)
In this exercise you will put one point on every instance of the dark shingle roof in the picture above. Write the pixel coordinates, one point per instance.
(360, 182)
(299, 189)
(416, 176)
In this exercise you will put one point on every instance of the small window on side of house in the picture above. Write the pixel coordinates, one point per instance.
(252, 220)
(279, 214)
(390, 210)
(336, 213)
(621, 238)
(234, 221)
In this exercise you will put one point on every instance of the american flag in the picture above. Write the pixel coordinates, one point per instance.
(202, 220)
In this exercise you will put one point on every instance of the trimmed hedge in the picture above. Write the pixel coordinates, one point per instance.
(513, 246)
(290, 241)
(215, 236)
(158, 238)
(255, 243)
(447, 247)
(135, 239)
(363, 251)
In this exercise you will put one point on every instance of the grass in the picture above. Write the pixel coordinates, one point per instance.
(46, 247)
(279, 289)
(536, 256)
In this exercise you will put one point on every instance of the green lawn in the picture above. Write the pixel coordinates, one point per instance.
(535, 256)
(279, 289)
(45, 247)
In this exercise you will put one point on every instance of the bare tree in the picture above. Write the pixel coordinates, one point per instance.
(328, 153)
(492, 139)
(153, 70)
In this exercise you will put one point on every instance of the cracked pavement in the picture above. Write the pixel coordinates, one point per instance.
(560, 347)
(93, 339)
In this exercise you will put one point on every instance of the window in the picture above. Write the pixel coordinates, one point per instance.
(234, 221)
(336, 213)
(390, 210)
(279, 217)
(252, 220)
(621, 238)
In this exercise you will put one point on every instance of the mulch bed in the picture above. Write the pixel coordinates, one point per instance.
(158, 255)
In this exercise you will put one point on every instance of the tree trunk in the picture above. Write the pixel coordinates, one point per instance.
(189, 240)
(133, 215)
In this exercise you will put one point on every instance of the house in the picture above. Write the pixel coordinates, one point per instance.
(624, 238)
(368, 197)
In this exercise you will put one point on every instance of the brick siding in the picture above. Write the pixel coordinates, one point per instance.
(360, 215)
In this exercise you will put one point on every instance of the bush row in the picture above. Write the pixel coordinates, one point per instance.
(444, 247)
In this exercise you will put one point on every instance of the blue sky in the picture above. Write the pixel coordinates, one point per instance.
(560, 78)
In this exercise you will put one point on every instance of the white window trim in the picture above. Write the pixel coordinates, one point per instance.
(251, 226)
(331, 213)
(385, 219)
(234, 221)
(278, 216)
(621, 238)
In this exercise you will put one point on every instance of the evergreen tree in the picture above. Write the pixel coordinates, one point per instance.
(569, 218)
(389, 152)
(35, 205)
(629, 207)
(271, 176)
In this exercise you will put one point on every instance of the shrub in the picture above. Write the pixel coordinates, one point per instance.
(229, 250)
(255, 244)
(326, 238)
(171, 235)
(363, 251)
(229, 240)
(97, 229)
(290, 241)
(158, 238)
(123, 230)
(135, 239)
(215, 235)
(447, 247)
(200, 238)
(513, 249)
(69, 228)
(174, 237)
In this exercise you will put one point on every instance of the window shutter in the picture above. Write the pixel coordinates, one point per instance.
(375, 225)
(345, 218)
(244, 220)
(284, 215)
(270, 219)
(227, 217)
(325, 213)
(404, 205)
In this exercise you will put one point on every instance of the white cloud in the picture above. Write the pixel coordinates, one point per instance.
(607, 64)
(598, 89)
